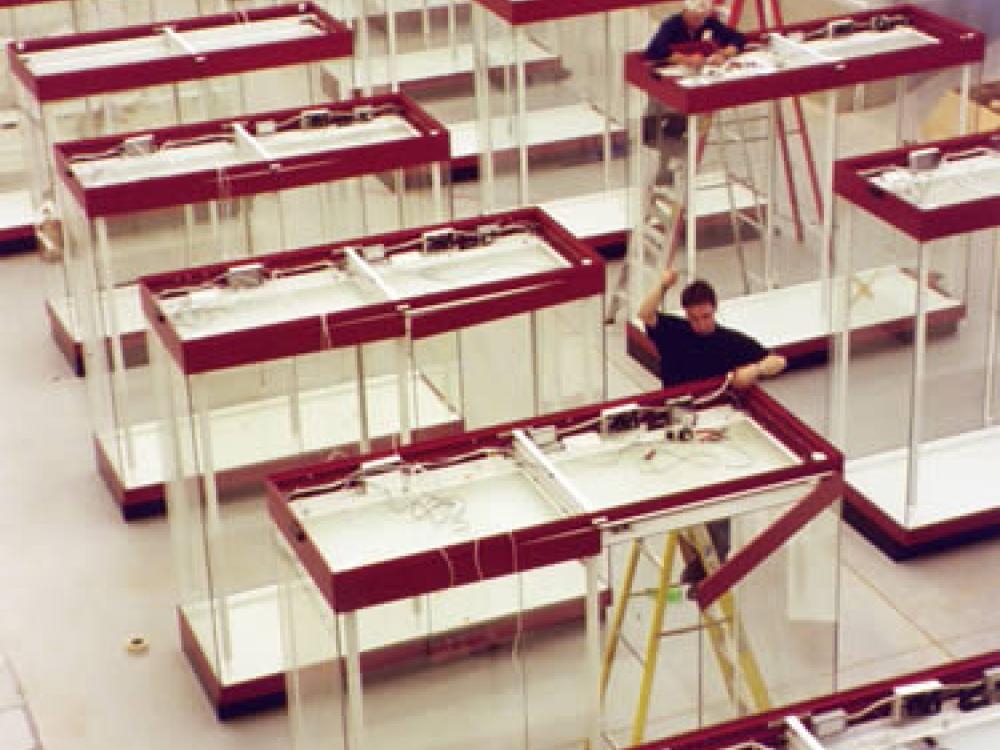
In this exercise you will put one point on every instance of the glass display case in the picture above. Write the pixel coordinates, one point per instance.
(338, 350)
(739, 160)
(426, 556)
(954, 705)
(554, 136)
(920, 232)
(154, 75)
(22, 19)
(221, 191)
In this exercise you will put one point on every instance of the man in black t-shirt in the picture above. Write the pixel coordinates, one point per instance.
(695, 347)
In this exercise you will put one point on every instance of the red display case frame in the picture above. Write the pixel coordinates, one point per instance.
(432, 143)
(921, 225)
(768, 727)
(567, 538)
(336, 41)
(438, 312)
(424, 572)
(958, 45)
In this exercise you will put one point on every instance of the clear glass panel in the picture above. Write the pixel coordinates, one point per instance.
(498, 372)
(676, 667)
(140, 109)
(555, 111)
(313, 659)
(29, 22)
(476, 666)
(437, 378)
(952, 440)
(569, 351)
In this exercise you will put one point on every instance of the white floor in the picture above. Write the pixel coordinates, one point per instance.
(78, 582)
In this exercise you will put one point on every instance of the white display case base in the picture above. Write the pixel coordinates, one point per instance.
(601, 218)
(138, 485)
(251, 674)
(958, 497)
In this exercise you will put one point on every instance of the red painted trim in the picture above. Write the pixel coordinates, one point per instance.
(65, 341)
(958, 45)
(335, 41)
(547, 543)
(768, 727)
(901, 543)
(430, 314)
(431, 144)
(746, 560)
(134, 502)
(922, 225)
(14, 4)
(520, 12)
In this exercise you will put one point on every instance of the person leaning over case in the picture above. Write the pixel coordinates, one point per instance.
(695, 347)
(695, 37)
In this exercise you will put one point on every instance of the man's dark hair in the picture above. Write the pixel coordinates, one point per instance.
(698, 292)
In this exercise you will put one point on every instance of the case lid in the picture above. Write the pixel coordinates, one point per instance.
(102, 62)
(928, 191)
(499, 501)
(814, 56)
(245, 155)
(416, 282)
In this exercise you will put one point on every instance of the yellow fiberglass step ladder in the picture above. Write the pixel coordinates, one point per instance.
(737, 665)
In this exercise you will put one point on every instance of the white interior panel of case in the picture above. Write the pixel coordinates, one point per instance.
(172, 44)
(508, 257)
(254, 648)
(958, 476)
(954, 181)
(793, 314)
(568, 122)
(396, 515)
(633, 466)
(184, 157)
(330, 418)
(596, 214)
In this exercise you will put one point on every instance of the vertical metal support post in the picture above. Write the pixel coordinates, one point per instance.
(772, 192)
(393, 46)
(487, 188)
(900, 108)
(608, 85)
(364, 430)
(355, 709)
(917, 386)
(829, 157)
(520, 116)
(963, 107)
(991, 333)
(452, 29)
(364, 70)
(406, 372)
(437, 193)
(690, 198)
(638, 196)
(593, 651)
(110, 333)
(840, 331)
(205, 469)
